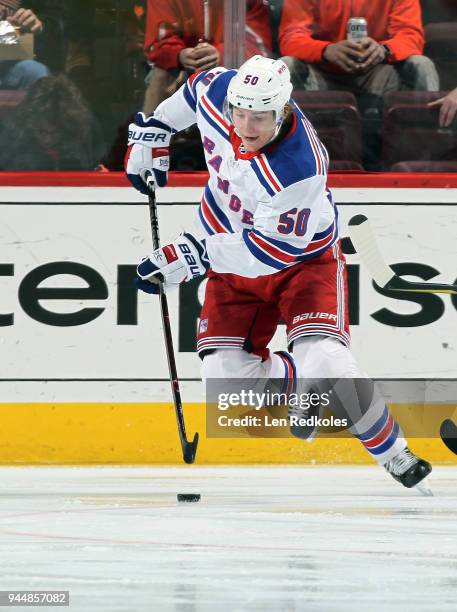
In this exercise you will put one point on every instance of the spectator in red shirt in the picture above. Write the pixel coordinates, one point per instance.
(313, 38)
(185, 36)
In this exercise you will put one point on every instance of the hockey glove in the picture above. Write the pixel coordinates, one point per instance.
(173, 264)
(147, 153)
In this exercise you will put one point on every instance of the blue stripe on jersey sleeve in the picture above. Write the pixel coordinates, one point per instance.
(217, 91)
(221, 216)
(261, 178)
(260, 255)
(188, 97)
(295, 159)
(197, 80)
(212, 123)
(190, 90)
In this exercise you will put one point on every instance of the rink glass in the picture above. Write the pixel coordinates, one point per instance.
(99, 46)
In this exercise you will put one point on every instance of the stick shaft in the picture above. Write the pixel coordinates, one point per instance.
(169, 339)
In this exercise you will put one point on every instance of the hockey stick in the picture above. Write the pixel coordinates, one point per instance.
(448, 433)
(189, 449)
(365, 244)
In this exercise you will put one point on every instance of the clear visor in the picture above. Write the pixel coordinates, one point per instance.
(228, 108)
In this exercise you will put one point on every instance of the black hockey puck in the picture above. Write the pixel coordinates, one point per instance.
(189, 497)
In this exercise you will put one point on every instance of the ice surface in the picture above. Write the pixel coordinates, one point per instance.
(277, 539)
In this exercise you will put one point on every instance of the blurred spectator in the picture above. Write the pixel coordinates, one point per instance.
(135, 27)
(185, 36)
(79, 32)
(313, 37)
(448, 108)
(52, 129)
(137, 66)
(20, 74)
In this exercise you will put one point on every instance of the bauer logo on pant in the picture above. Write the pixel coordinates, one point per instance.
(314, 315)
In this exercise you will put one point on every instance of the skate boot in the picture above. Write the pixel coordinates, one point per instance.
(298, 427)
(410, 470)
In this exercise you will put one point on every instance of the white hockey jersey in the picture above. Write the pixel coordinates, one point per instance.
(262, 212)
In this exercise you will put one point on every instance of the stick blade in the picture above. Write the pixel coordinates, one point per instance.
(190, 450)
(357, 220)
(399, 284)
(365, 244)
(448, 433)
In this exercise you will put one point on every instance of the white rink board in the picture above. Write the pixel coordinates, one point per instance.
(104, 236)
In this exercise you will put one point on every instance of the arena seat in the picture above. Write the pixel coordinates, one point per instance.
(411, 131)
(337, 120)
(441, 47)
(438, 11)
(427, 166)
(345, 166)
(186, 151)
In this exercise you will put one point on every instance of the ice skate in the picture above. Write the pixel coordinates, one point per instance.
(296, 414)
(410, 470)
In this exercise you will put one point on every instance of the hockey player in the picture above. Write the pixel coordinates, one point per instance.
(267, 237)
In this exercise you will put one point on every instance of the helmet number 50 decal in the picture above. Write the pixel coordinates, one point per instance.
(250, 79)
(294, 220)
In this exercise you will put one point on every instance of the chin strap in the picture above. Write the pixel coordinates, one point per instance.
(279, 123)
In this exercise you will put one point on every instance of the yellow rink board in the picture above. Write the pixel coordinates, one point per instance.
(133, 433)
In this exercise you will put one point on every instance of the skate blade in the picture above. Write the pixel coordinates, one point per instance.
(424, 487)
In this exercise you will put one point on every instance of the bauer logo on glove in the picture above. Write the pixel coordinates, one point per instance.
(193, 266)
(173, 264)
(139, 136)
(147, 157)
(149, 131)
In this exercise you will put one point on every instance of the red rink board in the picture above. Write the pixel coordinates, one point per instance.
(198, 179)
